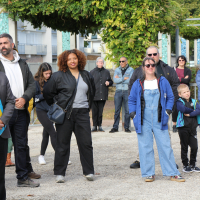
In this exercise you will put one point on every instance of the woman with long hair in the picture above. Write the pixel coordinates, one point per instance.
(184, 75)
(150, 104)
(42, 77)
(73, 89)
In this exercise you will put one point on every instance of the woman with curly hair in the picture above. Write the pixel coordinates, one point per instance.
(73, 89)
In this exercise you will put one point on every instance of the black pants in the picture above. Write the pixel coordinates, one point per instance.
(97, 112)
(79, 123)
(19, 127)
(47, 131)
(3, 156)
(174, 114)
(188, 137)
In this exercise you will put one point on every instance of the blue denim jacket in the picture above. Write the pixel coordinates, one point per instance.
(122, 84)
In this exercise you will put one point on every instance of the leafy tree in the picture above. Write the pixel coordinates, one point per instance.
(128, 27)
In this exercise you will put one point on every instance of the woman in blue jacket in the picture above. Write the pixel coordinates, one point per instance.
(150, 104)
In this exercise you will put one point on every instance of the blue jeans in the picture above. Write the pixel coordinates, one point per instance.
(121, 95)
(151, 127)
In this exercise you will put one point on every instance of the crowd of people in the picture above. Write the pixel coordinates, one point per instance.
(150, 94)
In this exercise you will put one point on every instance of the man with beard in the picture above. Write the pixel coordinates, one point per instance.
(23, 88)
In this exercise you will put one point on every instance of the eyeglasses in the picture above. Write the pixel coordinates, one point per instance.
(150, 54)
(181, 60)
(148, 65)
(122, 61)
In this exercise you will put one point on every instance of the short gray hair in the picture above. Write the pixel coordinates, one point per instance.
(99, 58)
(124, 57)
(6, 35)
(152, 47)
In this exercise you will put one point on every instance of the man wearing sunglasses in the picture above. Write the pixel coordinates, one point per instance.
(164, 70)
(121, 78)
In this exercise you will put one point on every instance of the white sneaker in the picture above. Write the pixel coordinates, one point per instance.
(41, 160)
(90, 177)
(69, 162)
(60, 179)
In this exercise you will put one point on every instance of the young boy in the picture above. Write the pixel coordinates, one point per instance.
(187, 122)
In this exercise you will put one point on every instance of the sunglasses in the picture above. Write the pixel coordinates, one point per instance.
(181, 60)
(148, 65)
(122, 61)
(150, 54)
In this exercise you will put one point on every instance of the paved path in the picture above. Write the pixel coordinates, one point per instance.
(113, 153)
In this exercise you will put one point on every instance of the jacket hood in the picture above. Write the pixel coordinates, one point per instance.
(16, 57)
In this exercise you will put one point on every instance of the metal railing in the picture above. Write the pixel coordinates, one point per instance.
(36, 49)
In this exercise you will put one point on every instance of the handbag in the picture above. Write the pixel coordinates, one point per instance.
(1, 113)
(56, 114)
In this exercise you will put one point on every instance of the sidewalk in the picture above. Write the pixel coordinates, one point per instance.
(113, 154)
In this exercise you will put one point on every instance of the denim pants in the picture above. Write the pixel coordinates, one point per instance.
(151, 127)
(121, 96)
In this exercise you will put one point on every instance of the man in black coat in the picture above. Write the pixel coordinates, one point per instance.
(22, 86)
(102, 81)
(162, 69)
(8, 103)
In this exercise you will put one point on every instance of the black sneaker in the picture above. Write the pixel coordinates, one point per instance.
(194, 169)
(27, 183)
(100, 129)
(187, 169)
(175, 129)
(127, 130)
(113, 130)
(94, 129)
(135, 165)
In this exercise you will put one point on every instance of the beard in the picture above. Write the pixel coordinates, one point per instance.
(5, 53)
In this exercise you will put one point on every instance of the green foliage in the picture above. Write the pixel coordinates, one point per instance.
(128, 27)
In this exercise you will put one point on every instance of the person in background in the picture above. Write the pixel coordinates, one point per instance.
(184, 75)
(102, 81)
(73, 89)
(187, 121)
(198, 84)
(150, 104)
(122, 77)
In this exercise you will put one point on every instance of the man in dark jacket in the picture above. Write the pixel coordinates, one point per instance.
(8, 103)
(23, 88)
(102, 81)
(162, 69)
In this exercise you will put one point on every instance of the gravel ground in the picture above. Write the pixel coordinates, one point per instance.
(113, 154)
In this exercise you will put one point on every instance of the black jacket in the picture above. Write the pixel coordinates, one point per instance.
(28, 80)
(40, 102)
(61, 86)
(8, 102)
(101, 75)
(169, 74)
(187, 72)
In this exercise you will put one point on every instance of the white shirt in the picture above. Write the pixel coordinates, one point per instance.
(14, 74)
(151, 85)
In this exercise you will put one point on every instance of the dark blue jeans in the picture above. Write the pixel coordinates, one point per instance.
(121, 96)
(18, 127)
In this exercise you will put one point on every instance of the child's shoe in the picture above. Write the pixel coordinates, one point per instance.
(177, 178)
(194, 169)
(187, 169)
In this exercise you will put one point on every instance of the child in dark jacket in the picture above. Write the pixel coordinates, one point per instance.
(187, 122)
